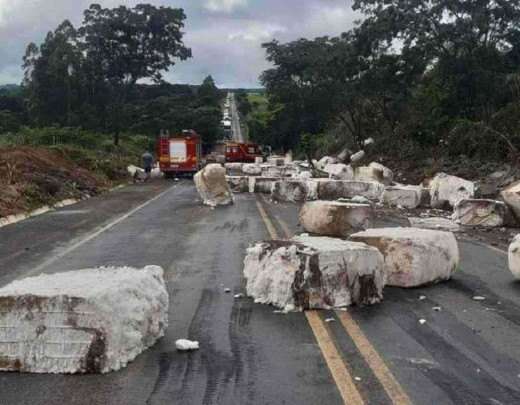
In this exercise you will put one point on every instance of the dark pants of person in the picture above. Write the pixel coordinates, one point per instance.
(148, 171)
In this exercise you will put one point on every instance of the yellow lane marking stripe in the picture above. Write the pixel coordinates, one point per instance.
(374, 360)
(267, 221)
(347, 389)
(283, 224)
(371, 356)
(285, 227)
(340, 374)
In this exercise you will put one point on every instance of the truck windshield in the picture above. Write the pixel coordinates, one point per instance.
(178, 151)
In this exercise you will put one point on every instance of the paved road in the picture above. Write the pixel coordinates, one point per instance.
(468, 353)
(236, 129)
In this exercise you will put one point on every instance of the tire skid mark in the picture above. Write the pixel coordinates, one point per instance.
(464, 374)
(473, 286)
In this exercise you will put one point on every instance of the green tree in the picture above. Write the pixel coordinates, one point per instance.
(9, 122)
(297, 83)
(124, 45)
(52, 76)
(243, 104)
(466, 43)
(208, 92)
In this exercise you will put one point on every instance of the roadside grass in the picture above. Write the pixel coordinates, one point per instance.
(41, 166)
(258, 102)
(91, 150)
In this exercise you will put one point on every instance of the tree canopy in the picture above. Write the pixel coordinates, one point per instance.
(91, 76)
(412, 72)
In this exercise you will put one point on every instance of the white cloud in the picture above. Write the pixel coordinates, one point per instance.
(226, 6)
(6, 6)
(329, 19)
(225, 35)
(256, 32)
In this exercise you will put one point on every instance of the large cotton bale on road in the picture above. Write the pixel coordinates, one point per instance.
(335, 189)
(339, 171)
(294, 190)
(333, 218)
(324, 161)
(261, 184)
(251, 169)
(514, 257)
(369, 173)
(313, 273)
(449, 190)
(86, 321)
(511, 196)
(474, 212)
(413, 257)
(276, 160)
(388, 175)
(233, 167)
(403, 196)
(238, 184)
(212, 186)
(272, 171)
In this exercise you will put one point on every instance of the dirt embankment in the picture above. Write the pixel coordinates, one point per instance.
(31, 177)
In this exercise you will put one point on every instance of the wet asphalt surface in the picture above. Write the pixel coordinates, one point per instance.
(236, 129)
(466, 353)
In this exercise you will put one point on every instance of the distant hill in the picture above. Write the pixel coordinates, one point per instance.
(246, 90)
(10, 89)
(9, 86)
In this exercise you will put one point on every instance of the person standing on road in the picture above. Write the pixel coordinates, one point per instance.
(147, 164)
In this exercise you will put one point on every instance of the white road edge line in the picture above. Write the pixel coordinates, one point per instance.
(95, 234)
(15, 218)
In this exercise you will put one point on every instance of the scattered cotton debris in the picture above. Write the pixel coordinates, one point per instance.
(186, 345)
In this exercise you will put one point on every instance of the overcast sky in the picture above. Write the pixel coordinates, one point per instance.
(225, 35)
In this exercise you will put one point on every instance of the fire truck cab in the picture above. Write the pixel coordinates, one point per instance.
(180, 153)
(242, 152)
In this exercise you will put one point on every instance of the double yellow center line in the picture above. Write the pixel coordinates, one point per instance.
(336, 364)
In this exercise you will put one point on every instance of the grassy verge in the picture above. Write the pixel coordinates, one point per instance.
(43, 166)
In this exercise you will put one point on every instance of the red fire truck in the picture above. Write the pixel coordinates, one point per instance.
(179, 154)
(242, 152)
